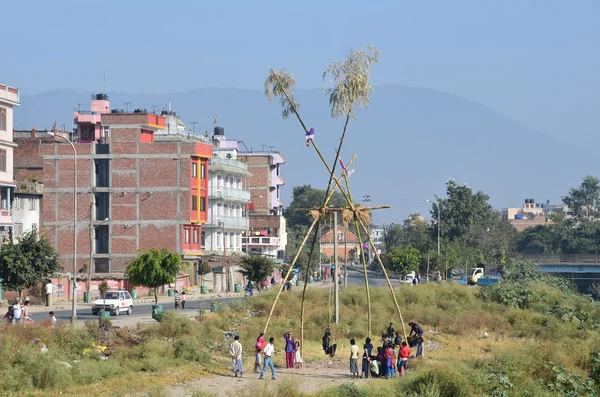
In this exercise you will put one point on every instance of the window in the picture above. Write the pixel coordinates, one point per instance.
(3, 160)
(202, 171)
(18, 230)
(34, 227)
(18, 203)
(3, 126)
(33, 204)
(194, 170)
(202, 204)
(194, 203)
(195, 236)
(187, 235)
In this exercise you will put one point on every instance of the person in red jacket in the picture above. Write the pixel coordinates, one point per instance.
(403, 358)
(388, 355)
(259, 346)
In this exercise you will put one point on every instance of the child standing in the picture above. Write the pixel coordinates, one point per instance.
(404, 353)
(235, 349)
(388, 357)
(259, 346)
(177, 299)
(52, 320)
(353, 358)
(297, 357)
(420, 348)
(183, 299)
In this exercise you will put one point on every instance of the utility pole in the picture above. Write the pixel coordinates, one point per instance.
(92, 232)
(367, 200)
(345, 257)
(336, 295)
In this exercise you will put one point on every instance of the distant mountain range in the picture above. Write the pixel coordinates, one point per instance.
(409, 142)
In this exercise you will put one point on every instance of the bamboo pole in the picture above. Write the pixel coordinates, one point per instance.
(287, 275)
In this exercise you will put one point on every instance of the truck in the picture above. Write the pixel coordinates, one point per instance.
(408, 279)
(477, 275)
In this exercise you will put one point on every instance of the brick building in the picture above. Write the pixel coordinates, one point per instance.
(267, 233)
(347, 242)
(134, 190)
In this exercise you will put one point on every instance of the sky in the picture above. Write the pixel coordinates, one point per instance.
(535, 61)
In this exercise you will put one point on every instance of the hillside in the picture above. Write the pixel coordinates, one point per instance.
(410, 141)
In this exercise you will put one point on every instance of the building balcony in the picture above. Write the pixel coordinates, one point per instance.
(30, 188)
(9, 94)
(230, 165)
(229, 222)
(261, 241)
(229, 194)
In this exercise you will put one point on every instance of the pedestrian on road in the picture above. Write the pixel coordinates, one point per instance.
(297, 356)
(17, 312)
(53, 321)
(289, 350)
(236, 356)
(49, 288)
(183, 299)
(259, 346)
(26, 315)
(177, 299)
(269, 351)
(353, 359)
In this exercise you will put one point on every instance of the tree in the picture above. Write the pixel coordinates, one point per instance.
(584, 200)
(203, 269)
(495, 240)
(304, 198)
(257, 268)
(461, 210)
(154, 268)
(27, 263)
(417, 233)
(539, 239)
(403, 259)
(102, 288)
(393, 236)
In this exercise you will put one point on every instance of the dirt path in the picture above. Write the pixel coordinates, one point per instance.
(312, 377)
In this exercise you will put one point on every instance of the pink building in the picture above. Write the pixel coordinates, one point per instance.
(89, 126)
(9, 98)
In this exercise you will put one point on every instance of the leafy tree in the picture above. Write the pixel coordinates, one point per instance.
(584, 200)
(539, 239)
(27, 263)
(102, 288)
(403, 259)
(203, 269)
(304, 198)
(495, 240)
(393, 236)
(257, 268)
(418, 233)
(154, 268)
(461, 210)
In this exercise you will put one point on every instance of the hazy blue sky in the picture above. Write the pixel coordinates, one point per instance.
(536, 61)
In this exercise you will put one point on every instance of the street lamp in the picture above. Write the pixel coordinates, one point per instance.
(74, 308)
(439, 221)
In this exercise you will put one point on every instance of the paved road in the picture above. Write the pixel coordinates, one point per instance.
(141, 312)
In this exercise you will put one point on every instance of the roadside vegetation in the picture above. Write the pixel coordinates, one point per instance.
(529, 334)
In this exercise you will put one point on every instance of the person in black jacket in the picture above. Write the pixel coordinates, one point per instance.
(416, 328)
(328, 348)
(398, 339)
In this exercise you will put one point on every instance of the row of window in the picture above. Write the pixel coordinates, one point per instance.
(195, 170)
(195, 203)
(194, 233)
(2, 160)
(227, 210)
(18, 229)
(20, 203)
(228, 182)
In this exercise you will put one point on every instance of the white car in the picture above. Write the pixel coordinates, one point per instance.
(117, 301)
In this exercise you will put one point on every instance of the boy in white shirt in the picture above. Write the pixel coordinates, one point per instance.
(236, 356)
(268, 361)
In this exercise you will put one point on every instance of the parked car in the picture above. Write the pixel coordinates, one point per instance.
(114, 301)
(408, 279)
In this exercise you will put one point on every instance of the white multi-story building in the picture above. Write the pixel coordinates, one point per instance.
(9, 98)
(26, 208)
(228, 195)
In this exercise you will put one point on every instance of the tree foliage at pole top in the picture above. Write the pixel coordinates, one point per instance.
(404, 259)
(257, 268)
(280, 84)
(27, 263)
(347, 82)
(154, 268)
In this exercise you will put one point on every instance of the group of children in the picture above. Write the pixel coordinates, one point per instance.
(386, 362)
(180, 299)
(18, 313)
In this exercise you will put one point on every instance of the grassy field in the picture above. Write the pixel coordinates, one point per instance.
(546, 348)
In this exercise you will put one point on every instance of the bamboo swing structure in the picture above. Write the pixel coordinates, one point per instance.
(351, 89)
